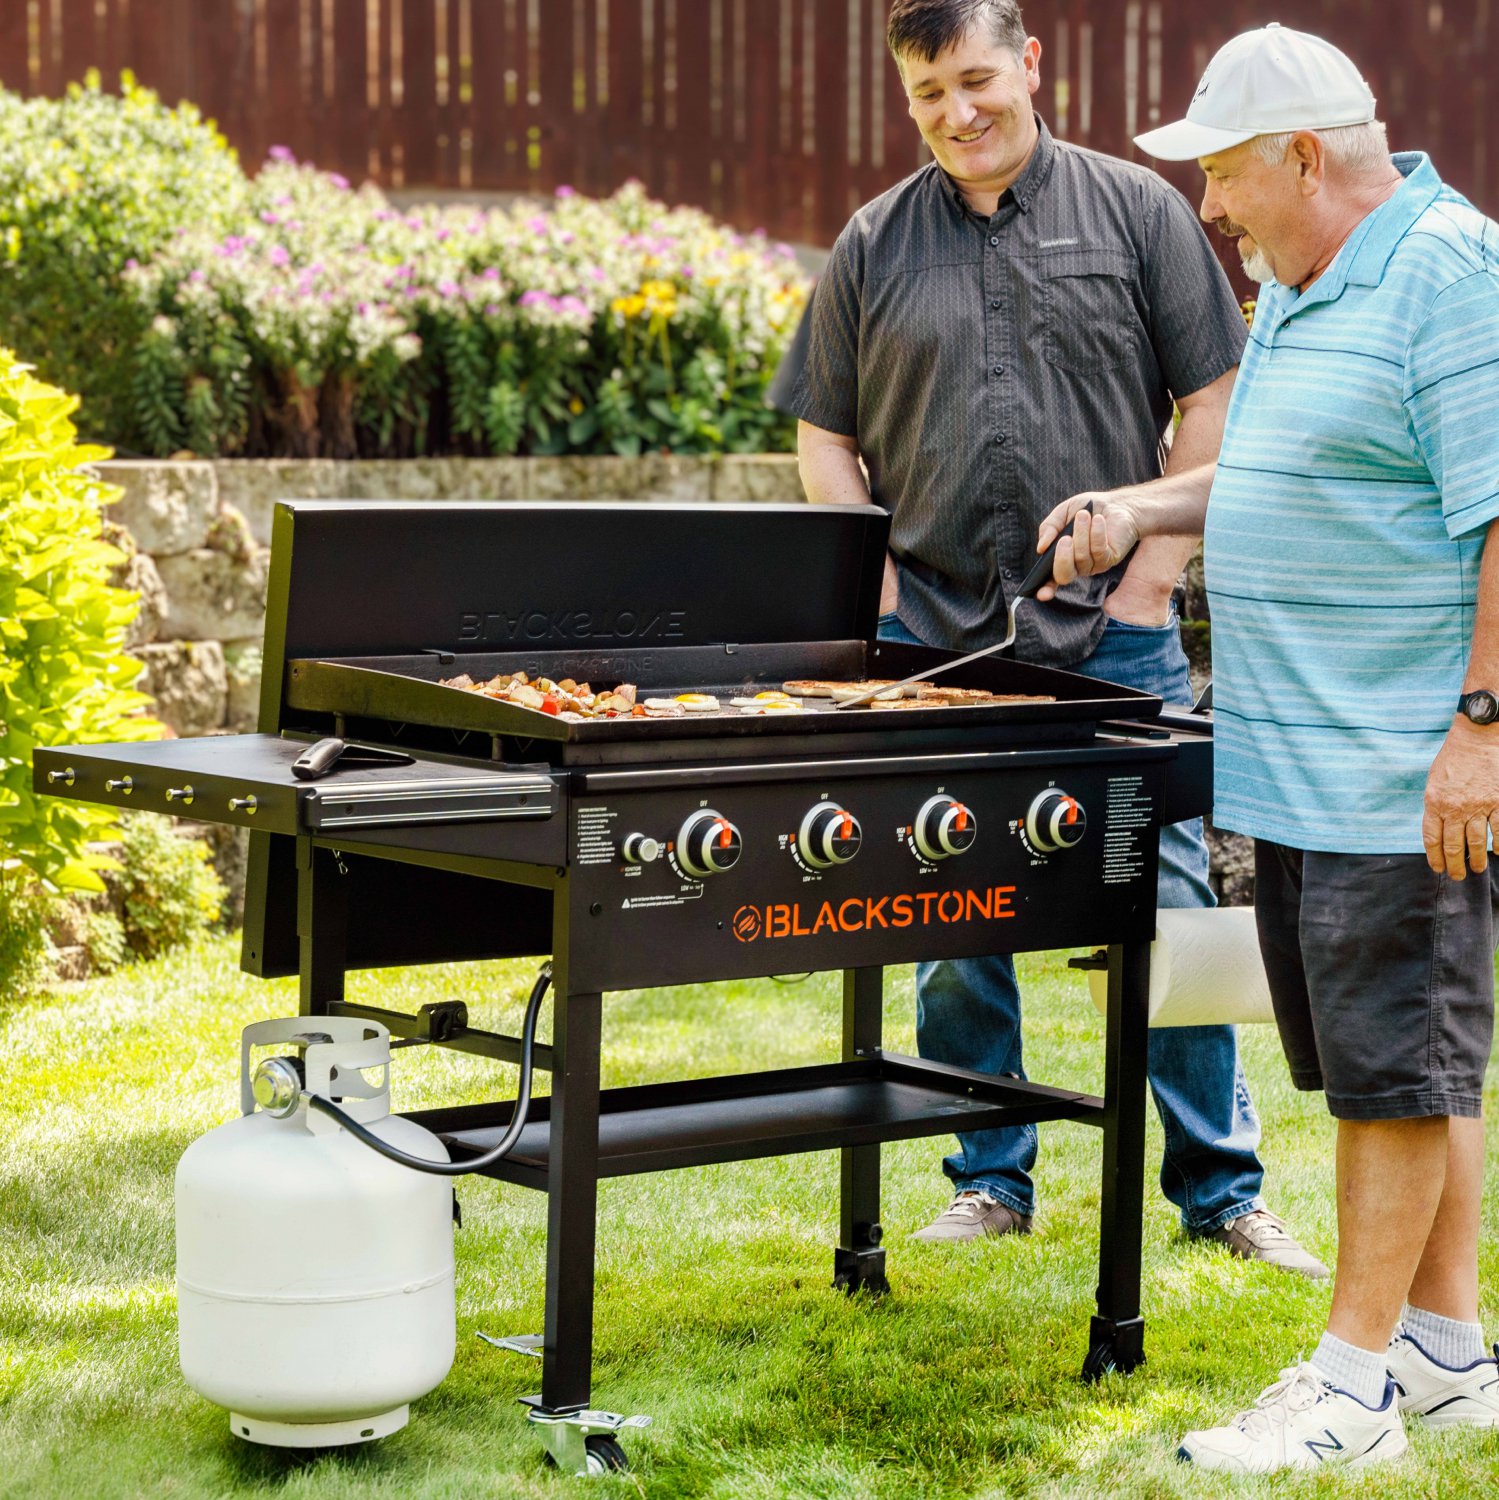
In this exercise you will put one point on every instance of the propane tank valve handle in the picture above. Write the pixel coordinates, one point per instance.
(278, 1086)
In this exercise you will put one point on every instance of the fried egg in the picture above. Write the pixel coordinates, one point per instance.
(760, 699)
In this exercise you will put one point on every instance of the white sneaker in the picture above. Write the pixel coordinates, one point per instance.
(1439, 1395)
(1301, 1421)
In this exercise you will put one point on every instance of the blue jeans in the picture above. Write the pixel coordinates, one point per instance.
(968, 1010)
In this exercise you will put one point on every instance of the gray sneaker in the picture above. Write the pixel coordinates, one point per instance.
(970, 1216)
(1260, 1235)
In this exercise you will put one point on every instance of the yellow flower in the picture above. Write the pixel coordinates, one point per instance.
(575, 406)
(628, 307)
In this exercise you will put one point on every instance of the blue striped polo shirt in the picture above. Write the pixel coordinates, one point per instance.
(1358, 474)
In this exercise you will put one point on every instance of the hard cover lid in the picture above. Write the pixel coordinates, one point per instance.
(378, 578)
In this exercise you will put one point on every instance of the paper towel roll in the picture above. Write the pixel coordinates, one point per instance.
(1205, 969)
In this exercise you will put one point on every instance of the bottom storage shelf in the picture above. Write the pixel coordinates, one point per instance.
(692, 1122)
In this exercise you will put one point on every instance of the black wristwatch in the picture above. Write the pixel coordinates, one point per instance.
(1480, 705)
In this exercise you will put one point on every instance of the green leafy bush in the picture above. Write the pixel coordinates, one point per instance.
(326, 323)
(89, 184)
(64, 678)
(104, 940)
(166, 889)
(24, 950)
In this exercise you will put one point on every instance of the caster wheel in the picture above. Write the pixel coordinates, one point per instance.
(1109, 1358)
(605, 1456)
(872, 1286)
(1101, 1361)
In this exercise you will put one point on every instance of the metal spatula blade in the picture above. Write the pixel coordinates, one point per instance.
(1039, 574)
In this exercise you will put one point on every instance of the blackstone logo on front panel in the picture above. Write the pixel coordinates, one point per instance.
(867, 913)
(532, 627)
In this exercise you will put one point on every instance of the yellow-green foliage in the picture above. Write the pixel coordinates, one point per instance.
(64, 677)
(167, 889)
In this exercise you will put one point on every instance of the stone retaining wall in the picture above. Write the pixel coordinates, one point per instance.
(201, 536)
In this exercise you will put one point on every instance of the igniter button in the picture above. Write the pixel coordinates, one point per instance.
(640, 849)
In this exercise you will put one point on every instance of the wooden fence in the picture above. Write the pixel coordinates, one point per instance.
(784, 114)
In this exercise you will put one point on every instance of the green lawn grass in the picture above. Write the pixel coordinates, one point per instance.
(714, 1313)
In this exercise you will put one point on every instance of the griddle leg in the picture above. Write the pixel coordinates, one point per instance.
(322, 928)
(859, 1260)
(1116, 1340)
(572, 1196)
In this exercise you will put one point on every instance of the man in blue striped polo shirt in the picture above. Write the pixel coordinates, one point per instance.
(1356, 652)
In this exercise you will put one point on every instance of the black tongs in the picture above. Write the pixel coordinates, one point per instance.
(317, 760)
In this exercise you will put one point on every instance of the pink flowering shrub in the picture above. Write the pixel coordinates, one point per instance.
(326, 322)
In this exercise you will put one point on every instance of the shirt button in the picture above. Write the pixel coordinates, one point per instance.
(995, 304)
(1009, 572)
(993, 239)
(999, 437)
(1004, 505)
(999, 369)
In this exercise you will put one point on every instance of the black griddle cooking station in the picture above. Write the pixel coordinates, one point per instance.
(664, 851)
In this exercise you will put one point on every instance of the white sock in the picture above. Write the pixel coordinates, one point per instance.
(1449, 1342)
(1360, 1372)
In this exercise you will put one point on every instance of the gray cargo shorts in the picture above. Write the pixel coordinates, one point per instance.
(1382, 976)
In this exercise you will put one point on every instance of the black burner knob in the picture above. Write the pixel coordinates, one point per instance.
(1055, 822)
(708, 845)
(829, 835)
(945, 827)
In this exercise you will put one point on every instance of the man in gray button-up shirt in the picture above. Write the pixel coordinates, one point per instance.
(1008, 327)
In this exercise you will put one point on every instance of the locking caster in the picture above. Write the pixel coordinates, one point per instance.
(1114, 1348)
(582, 1442)
(860, 1270)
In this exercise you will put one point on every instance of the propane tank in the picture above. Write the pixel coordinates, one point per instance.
(314, 1277)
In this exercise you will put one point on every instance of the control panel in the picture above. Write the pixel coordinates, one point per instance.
(769, 877)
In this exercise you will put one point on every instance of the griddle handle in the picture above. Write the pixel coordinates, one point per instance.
(1041, 572)
(317, 760)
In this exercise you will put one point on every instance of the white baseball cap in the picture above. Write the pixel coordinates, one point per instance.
(1262, 83)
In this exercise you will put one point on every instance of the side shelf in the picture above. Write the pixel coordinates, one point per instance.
(246, 780)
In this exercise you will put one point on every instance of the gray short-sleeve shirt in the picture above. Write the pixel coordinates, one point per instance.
(991, 368)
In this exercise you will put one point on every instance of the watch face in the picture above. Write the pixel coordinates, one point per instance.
(1482, 707)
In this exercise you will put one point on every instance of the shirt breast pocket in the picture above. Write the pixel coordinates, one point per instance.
(1091, 321)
